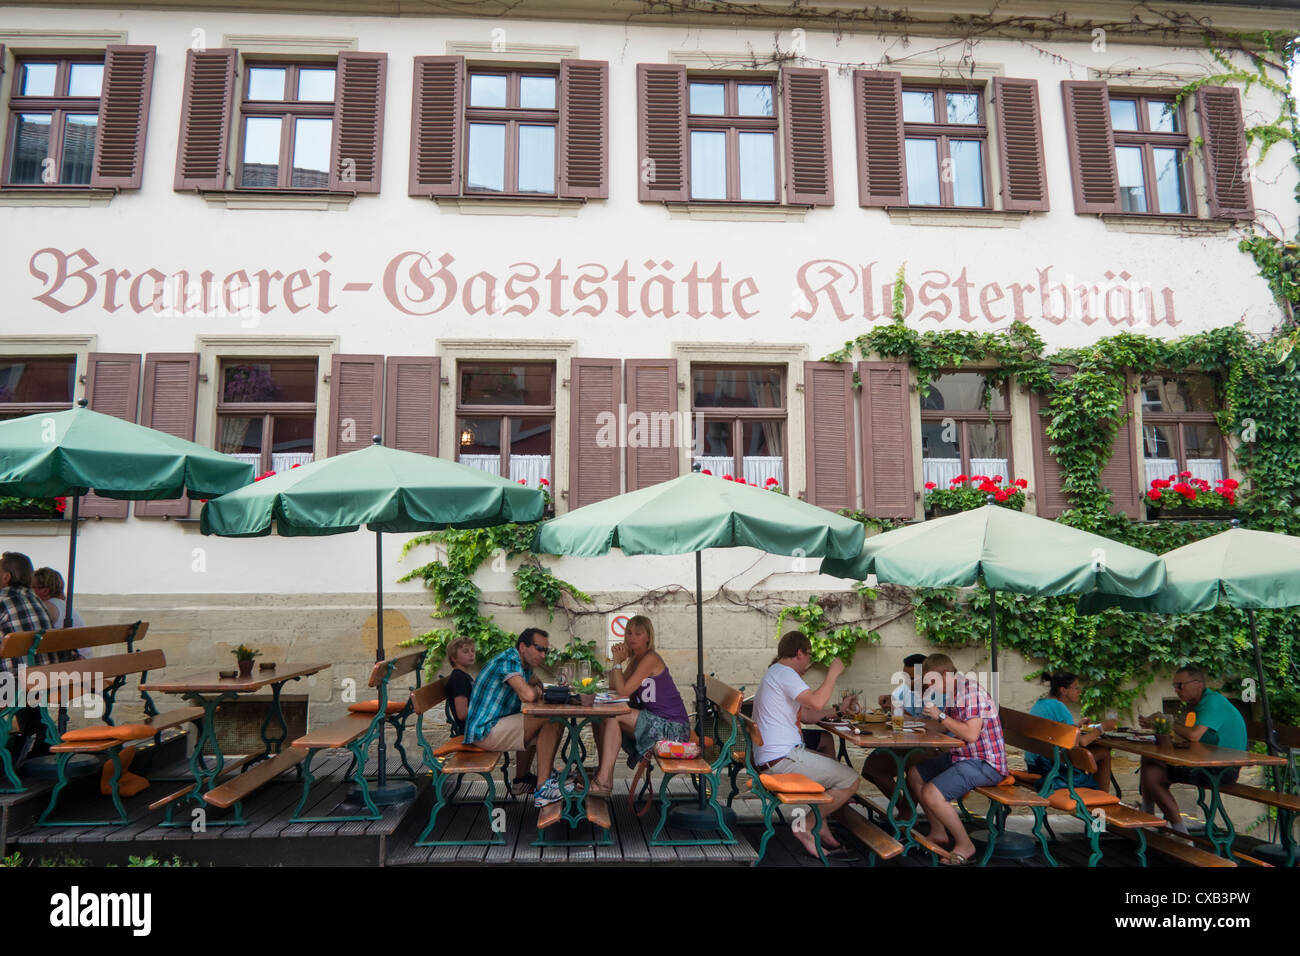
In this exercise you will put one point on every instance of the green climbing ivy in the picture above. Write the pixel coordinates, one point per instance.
(829, 639)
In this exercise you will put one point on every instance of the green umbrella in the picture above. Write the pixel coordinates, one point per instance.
(1011, 551)
(70, 453)
(382, 488)
(694, 512)
(1245, 569)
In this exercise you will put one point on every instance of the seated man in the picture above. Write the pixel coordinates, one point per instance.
(783, 702)
(1210, 719)
(969, 714)
(22, 610)
(879, 766)
(494, 721)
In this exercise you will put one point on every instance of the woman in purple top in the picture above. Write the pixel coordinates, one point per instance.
(659, 713)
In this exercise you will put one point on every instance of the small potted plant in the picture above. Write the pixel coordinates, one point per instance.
(244, 655)
(1163, 725)
(586, 689)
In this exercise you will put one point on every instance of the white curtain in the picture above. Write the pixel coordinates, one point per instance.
(283, 461)
(989, 467)
(531, 468)
(718, 465)
(1210, 469)
(249, 459)
(489, 463)
(759, 468)
(1160, 468)
(940, 470)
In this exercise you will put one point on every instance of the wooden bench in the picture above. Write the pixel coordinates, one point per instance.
(452, 761)
(397, 712)
(879, 810)
(1058, 743)
(798, 791)
(1283, 797)
(79, 674)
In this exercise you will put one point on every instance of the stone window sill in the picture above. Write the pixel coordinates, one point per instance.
(1167, 225)
(248, 199)
(736, 212)
(56, 196)
(508, 206)
(969, 218)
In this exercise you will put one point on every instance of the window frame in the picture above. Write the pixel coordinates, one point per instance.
(965, 417)
(733, 124)
(59, 106)
(282, 110)
(943, 133)
(19, 409)
(267, 411)
(504, 412)
(737, 418)
(1148, 141)
(1177, 420)
(512, 116)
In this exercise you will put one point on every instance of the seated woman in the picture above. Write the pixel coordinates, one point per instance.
(460, 654)
(658, 714)
(1064, 689)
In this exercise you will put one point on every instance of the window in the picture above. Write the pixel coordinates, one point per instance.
(1179, 430)
(511, 133)
(33, 384)
(708, 138)
(732, 127)
(743, 410)
(505, 419)
(1150, 154)
(965, 429)
(286, 122)
(946, 143)
(54, 114)
(266, 411)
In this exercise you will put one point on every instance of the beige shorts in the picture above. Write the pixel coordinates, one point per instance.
(831, 774)
(508, 734)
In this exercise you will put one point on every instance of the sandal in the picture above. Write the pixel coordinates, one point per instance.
(956, 859)
(523, 785)
(595, 790)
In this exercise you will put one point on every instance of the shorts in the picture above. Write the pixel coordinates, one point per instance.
(651, 728)
(831, 774)
(955, 780)
(1199, 778)
(506, 734)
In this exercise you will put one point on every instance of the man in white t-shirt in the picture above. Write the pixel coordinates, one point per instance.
(783, 702)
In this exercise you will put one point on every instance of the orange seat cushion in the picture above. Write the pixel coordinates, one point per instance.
(695, 739)
(790, 783)
(1061, 799)
(1025, 776)
(370, 706)
(97, 734)
(457, 745)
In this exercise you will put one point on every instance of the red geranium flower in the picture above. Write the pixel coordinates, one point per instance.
(959, 478)
(988, 487)
(929, 485)
(1184, 474)
(770, 482)
(266, 475)
(706, 471)
(522, 482)
(543, 481)
(997, 477)
(1022, 483)
(1153, 494)
(60, 505)
(1230, 483)
(1002, 495)
(727, 478)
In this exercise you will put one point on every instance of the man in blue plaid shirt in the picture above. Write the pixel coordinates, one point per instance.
(494, 721)
(22, 610)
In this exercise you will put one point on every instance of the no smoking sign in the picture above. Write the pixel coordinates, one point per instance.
(617, 629)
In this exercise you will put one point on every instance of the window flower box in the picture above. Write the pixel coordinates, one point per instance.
(25, 509)
(967, 492)
(1182, 497)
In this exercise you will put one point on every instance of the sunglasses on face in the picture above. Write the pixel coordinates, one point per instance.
(1180, 684)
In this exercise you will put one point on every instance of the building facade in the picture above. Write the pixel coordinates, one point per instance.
(597, 246)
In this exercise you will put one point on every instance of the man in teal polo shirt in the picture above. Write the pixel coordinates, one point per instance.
(1210, 719)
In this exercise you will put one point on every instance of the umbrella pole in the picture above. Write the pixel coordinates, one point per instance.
(1270, 740)
(72, 562)
(993, 637)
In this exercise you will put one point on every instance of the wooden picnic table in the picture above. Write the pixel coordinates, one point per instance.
(574, 807)
(209, 690)
(1211, 763)
(901, 745)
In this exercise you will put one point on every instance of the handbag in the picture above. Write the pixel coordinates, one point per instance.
(667, 749)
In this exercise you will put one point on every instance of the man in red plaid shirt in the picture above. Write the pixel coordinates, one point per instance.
(970, 714)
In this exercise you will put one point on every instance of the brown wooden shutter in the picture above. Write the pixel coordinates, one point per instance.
(356, 401)
(358, 122)
(205, 119)
(1124, 474)
(805, 99)
(584, 129)
(1049, 498)
(123, 117)
(436, 113)
(411, 403)
(882, 166)
(171, 388)
(1227, 180)
(828, 430)
(887, 483)
(661, 133)
(1020, 144)
(652, 391)
(1092, 146)
(112, 388)
(595, 390)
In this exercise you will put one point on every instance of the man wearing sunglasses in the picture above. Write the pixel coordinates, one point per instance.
(1209, 718)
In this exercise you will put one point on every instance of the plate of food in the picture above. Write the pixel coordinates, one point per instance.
(875, 717)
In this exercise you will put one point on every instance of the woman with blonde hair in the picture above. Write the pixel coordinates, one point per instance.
(658, 710)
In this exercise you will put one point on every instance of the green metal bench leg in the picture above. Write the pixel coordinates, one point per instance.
(768, 832)
(1285, 820)
(1142, 846)
(1094, 841)
(399, 729)
(1040, 821)
(665, 802)
(438, 804)
(994, 821)
(817, 834)
(45, 821)
(733, 772)
(489, 803)
(15, 784)
(307, 780)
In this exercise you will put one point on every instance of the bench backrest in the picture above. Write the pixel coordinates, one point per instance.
(1287, 736)
(117, 665)
(402, 664)
(751, 728)
(424, 699)
(723, 696)
(1041, 736)
(19, 643)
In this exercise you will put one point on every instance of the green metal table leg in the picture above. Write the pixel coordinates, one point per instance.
(273, 744)
(205, 777)
(1222, 845)
(574, 811)
(903, 829)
